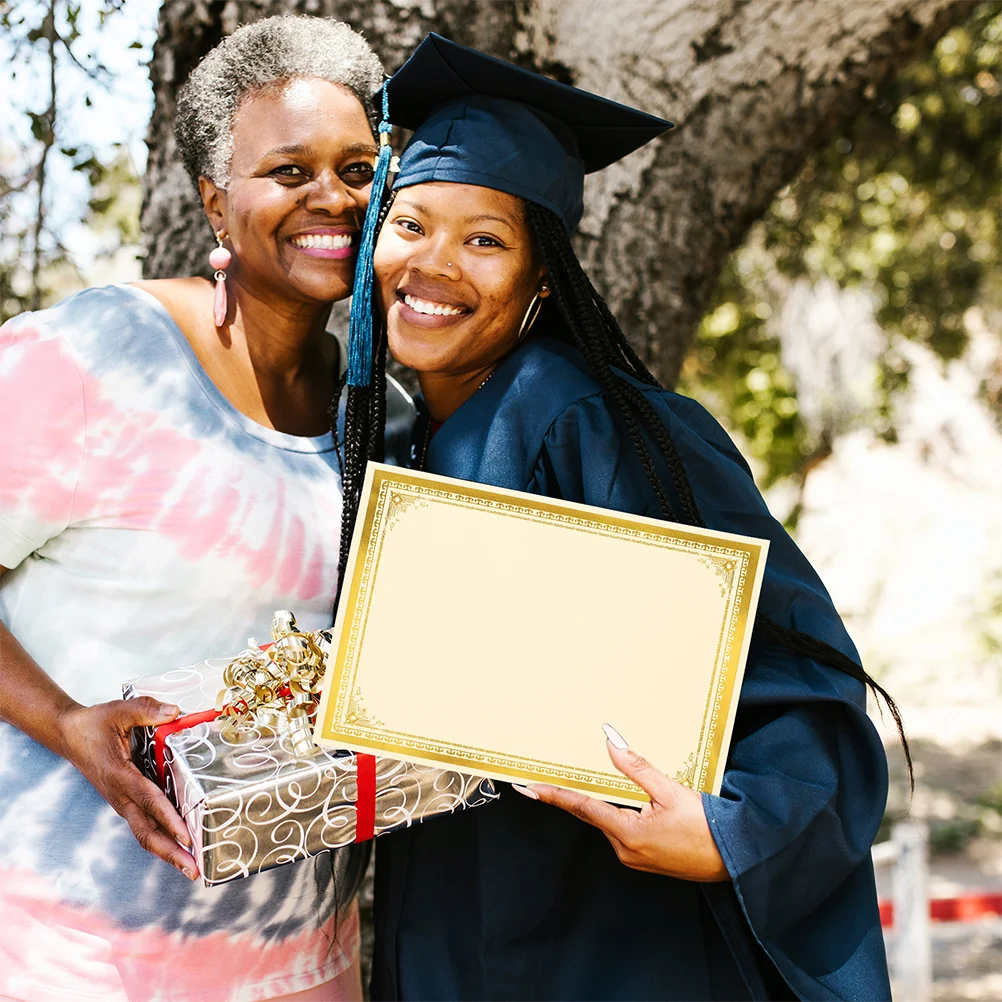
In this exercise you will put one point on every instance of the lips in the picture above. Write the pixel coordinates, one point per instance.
(328, 241)
(425, 304)
(427, 308)
(335, 244)
(435, 293)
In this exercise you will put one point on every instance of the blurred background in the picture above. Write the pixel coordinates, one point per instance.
(813, 254)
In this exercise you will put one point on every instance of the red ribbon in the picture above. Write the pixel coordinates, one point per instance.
(365, 805)
(163, 731)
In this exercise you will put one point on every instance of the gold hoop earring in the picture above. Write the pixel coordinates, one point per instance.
(535, 305)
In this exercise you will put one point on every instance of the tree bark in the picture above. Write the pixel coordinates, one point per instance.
(753, 88)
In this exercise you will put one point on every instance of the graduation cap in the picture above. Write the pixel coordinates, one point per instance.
(479, 120)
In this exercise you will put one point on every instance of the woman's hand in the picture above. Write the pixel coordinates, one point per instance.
(95, 739)
(669, 835)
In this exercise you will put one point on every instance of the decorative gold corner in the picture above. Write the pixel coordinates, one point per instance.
(724, 569)
(687, 774)
(358, 715)
(398, 504)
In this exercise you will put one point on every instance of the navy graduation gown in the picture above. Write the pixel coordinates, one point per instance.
(519, 900)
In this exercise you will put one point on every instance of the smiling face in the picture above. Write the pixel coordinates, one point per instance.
(456, 271)
(303, 157)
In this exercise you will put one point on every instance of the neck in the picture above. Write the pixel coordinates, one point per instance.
(444, 393)
(277, 336)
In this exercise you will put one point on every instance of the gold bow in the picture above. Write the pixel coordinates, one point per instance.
(277, 689)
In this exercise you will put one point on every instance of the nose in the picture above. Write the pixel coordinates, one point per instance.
(436, 258)
(330, 196)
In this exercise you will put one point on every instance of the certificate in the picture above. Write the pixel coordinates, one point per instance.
(495, 631)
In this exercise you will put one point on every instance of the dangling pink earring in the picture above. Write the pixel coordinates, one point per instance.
(220, 259)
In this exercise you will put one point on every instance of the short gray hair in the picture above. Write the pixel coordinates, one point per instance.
(254, 58)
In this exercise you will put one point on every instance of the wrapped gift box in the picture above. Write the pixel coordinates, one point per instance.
(251, 800)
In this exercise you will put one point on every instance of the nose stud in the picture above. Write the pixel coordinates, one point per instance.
(448, 264)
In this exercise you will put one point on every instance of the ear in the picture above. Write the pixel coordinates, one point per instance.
(544, 286)
(214, 203)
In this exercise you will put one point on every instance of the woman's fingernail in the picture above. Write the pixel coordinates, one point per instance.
(169, 709)
(525, 791)
(615, 737)
(189, 872)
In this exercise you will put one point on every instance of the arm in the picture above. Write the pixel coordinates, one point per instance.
(95, 739)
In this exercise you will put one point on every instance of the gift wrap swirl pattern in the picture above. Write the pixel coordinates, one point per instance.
(250, 803)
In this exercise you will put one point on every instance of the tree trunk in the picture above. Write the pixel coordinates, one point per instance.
(752, 87)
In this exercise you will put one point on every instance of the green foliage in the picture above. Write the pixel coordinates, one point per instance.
(905, 204)
(952, 835)
(42, 38)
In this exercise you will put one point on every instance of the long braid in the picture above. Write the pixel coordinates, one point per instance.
(597, 334)
(579, 318)
(364, 429)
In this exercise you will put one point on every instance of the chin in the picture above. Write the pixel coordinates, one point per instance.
(409, 351)
(322, 285)
(332, 290)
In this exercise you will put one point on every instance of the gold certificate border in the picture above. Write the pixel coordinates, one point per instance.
(389, 492)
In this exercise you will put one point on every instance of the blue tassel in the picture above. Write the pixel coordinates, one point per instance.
(360, 323)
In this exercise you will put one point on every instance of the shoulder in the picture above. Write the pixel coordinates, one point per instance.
(552, 371)
(185, 300)
(556, 376)
(109, 312)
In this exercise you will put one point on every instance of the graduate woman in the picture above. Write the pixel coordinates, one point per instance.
(765, 891)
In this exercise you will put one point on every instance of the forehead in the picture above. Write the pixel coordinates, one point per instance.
(304, 112)
(460, 201)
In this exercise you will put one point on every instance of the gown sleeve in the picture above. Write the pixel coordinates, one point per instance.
(805, 785)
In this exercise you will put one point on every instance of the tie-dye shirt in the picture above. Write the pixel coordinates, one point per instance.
(147, 524)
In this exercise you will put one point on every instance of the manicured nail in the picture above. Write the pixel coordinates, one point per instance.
(189, 872)
(525, 791)
(617, 739)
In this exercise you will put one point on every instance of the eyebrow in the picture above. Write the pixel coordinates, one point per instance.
(481, 218)
(298, 149)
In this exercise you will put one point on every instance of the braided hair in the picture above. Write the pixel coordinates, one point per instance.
(584, 320)
(364, 426)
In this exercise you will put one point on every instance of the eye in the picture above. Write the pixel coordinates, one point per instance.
(482, 240)
(361, 167)
(289, 172)
(358, 173)
(408, 224)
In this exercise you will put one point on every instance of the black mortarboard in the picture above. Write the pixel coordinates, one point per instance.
(479, 120)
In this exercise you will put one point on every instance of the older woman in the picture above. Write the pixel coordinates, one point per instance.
(765, 891)
(168, 478)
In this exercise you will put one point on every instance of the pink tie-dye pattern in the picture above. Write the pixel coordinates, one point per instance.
(149, 963)
(41, 410)
(91, 438)
(132, 471)
(313, 583)
(289, 572)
